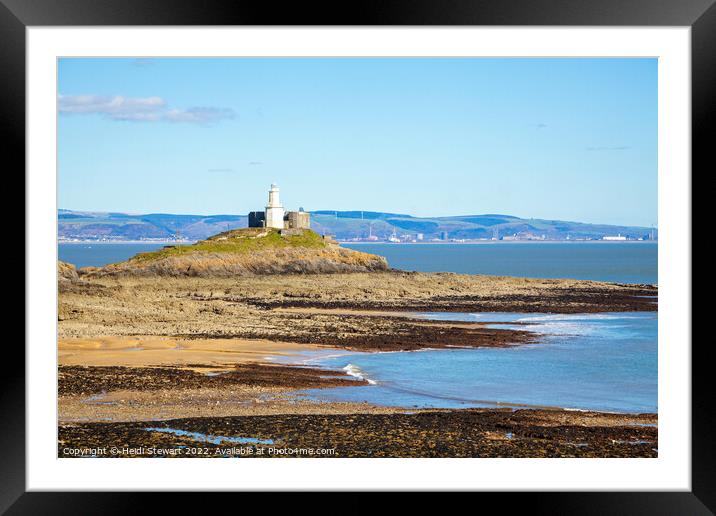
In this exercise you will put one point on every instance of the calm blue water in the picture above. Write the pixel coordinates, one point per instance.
(604, 362)
(601, 261)
(99, 255)
(617, 262)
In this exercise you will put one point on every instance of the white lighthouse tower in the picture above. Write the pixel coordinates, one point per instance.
(274, 210)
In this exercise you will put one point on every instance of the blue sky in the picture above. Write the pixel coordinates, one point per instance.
(570, 139)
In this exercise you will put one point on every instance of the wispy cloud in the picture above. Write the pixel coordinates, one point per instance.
(140, 109)
(143, 62)
(255, 163)
(612, 148)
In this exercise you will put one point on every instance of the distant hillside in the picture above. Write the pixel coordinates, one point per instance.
(344, 225)
(122, 226)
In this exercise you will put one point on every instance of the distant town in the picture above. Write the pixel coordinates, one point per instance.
(416, 238)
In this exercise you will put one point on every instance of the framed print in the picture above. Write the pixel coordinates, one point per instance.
(421, 249)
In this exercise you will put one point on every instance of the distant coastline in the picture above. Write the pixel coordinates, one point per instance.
(382, 242)
(488, 242)
(102, 242)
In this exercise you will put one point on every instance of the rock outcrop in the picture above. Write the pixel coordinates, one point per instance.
(69, 279)
(248, 252)
(66, 273)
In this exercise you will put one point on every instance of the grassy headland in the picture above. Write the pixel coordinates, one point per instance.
(239, 241)
(248, 251)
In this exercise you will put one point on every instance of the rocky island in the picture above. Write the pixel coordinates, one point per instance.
(178, 348)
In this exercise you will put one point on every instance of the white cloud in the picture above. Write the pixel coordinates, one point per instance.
(140, 109)
(198, 115)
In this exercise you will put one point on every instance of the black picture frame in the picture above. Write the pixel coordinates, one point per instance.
(700, 15)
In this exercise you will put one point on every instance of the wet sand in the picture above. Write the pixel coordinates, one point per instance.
(152, 351)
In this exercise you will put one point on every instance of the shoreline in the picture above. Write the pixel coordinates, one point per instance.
(204, 356)
(203, 420)
(256, 370)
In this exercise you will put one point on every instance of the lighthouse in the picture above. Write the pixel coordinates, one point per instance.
(276, 217)
(274, 210)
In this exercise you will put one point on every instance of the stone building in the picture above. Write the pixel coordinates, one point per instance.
(275, 217)
(257, 219)
(297, 220)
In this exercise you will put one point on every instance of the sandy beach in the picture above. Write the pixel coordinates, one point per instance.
(154, 351)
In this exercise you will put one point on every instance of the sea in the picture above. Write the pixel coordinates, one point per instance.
(82, 254)
(604, 362)
(619, 262)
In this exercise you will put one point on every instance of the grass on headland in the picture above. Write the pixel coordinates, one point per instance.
(241, 241)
